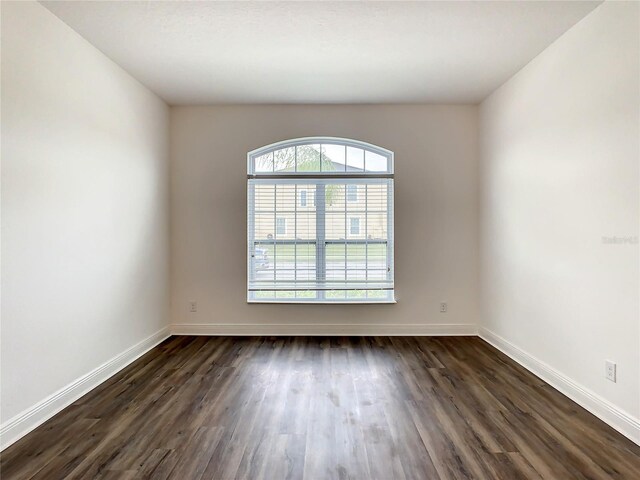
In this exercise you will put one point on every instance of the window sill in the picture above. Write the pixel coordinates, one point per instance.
(325, 302)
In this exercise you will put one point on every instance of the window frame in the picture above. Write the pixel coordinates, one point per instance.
(388, 173)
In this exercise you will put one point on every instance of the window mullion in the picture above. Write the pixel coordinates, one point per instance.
(295, 235)
(389, 250)
(366, 235)
(321, 260)
(275, 232)
(346, 234)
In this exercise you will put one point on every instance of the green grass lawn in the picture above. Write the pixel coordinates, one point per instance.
(355, 253)
(330, 295)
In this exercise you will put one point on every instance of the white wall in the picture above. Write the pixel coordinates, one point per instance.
(85, 233)
(435, 203)
(560, 171)
(84, 209)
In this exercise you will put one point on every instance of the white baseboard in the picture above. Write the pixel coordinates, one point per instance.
(623, 422)
(341, 329)
(17, 427)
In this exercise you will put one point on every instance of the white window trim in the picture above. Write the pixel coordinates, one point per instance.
(337, 176)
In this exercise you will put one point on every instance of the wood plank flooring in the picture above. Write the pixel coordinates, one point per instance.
(323, 408)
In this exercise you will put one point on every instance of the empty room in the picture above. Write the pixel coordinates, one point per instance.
(319, 240)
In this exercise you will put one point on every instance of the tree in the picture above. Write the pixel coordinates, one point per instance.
(308, 159)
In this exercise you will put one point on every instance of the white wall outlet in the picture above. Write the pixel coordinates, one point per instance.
(610, 370)
(193, 307)
(443, 307)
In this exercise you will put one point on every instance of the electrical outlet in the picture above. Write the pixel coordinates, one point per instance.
(193, 306)
(610, 370)
(443, 307)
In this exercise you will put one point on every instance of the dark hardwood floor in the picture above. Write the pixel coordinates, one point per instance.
(314, 408)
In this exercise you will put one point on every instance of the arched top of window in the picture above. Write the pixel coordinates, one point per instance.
(324, 156)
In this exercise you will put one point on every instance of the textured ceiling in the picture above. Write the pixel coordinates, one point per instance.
(321, 52)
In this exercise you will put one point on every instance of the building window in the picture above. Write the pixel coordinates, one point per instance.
(354, 226)
(339, 247)
(352, 193)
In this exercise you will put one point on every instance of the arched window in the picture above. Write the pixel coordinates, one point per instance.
(320, 222)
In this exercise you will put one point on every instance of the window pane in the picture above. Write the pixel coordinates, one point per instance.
(262, 264)
(354, 226)
(285, 160)
(306, 295)
(378, 275)
(264, 294)
(335, 295)
(376, 255)
(264, 197)
(355, 159)
(335, 266)
(376, 226)
(356, 255)
(284, 262)
(374, 162)
(305, 214)
(305, 262)
(264, 226)
(377, 294)
(308, 158)
(264, 163)
(285, 211)
(334, 197)
(377, 261)
(352, 193)
(335, 225)
(357, 294)
(333, 158)
(285, 294)
(268, 249)
(353, 274)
